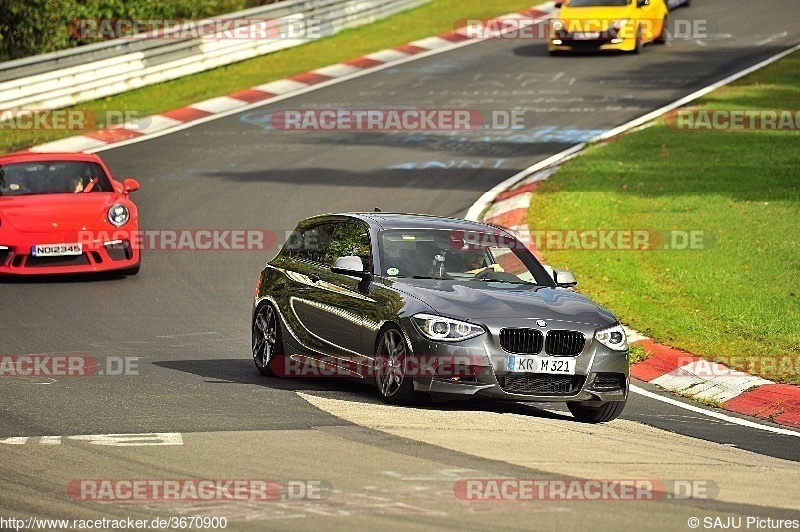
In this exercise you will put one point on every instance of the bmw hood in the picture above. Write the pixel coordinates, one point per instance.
(473, 300)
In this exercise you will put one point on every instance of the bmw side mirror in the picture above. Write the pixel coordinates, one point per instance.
(130, 185)
(564, 278)
(350, 265)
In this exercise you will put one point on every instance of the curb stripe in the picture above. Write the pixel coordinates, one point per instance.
(410, 49)
(363, 62)
(310, 78)
(455, 36)
(780, 402)
(185, 114)
(530, 187)
(252, 95)
(219, 105)
(387, 56)
(112, 135)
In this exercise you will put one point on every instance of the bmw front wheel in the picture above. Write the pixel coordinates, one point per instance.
(390, 364)
(596, 414)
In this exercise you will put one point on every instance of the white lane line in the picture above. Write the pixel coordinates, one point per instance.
(717, 415)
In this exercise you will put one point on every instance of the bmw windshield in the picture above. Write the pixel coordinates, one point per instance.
(459, 255)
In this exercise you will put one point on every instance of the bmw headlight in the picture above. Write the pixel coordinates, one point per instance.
(445, 329)
(119, 214)
(557, 25)
(613, 338)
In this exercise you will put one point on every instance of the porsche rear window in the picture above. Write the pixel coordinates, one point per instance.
(52, 177)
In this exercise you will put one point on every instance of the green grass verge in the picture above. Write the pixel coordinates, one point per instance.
(437, 17)
(638, 354)
(735, 301)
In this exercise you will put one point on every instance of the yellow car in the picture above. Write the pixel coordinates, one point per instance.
(592, 25)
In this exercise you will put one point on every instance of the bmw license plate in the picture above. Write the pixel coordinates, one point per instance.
(56, 250)
(536, 364)
(586, 36)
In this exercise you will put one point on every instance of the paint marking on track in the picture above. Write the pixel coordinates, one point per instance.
(112, 440)
(711, 413)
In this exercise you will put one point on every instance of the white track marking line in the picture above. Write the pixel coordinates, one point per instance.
(717, 415)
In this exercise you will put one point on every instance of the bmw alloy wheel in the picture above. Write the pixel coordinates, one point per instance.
(266, 339)
(390, 363)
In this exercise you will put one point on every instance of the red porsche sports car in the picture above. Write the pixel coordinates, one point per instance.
(63, 213)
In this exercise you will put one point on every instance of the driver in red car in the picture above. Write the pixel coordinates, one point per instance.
(77, 184)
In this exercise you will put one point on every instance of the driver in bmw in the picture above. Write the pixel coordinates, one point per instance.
(475, 262)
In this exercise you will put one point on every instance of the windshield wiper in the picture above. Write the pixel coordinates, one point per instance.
(490, 280)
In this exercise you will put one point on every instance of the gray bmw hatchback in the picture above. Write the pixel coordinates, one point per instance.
(438, 306)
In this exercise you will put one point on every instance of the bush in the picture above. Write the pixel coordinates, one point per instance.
(32, 27)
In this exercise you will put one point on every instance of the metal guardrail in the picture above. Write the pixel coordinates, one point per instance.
(65, 78)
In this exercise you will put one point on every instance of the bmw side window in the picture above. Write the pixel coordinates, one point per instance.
(312, 244)
(350, 239)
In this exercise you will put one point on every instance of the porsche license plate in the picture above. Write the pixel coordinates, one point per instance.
(536, 364)
(56, 250)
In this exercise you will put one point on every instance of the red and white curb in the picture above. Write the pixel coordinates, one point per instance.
(686, 374)
(214, 108)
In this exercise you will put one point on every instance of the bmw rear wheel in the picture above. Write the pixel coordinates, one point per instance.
(390, 364)
(267, 344)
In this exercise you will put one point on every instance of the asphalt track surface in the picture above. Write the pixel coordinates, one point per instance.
(186, 316)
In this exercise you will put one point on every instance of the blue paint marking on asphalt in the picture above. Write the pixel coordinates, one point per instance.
(537, 135)
(258, 118)
(447, 165)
